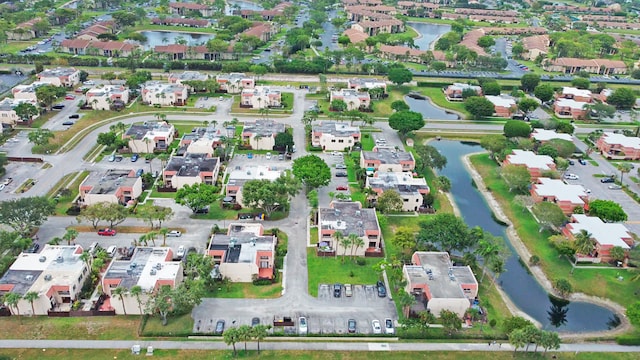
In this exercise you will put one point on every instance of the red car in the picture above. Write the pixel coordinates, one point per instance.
(341, 187)
(70, 97)
(107, 232)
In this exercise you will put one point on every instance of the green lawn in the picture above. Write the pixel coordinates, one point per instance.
(176, 326)
(248, 291)
(313, 235)
(79, 328)
(437, 97)
(330, 270)
(601, 283)
(367, 141)
(64, 202)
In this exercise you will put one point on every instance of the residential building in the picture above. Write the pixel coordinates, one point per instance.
(605, 236)
(418, 9)
(263, 31)
(150, 268)
(234, 83)
(188, 8)
(164, 94)
(536, 164)
(150, 137)
(534, 46)
(411, 190)
(97, 29)
(108, 48)
(363, 84)
(355, 36)
(334, 136)
(199, 52)
(581, 95)
(57, 274)
(175, 78)
(454, 91)
(437, 284)
(202, 140)
(238, 177)
(68, 77)
(116, 186)
(593, 66)
(404, 53)
(372, 28)
(619, 146)
(503, 106)
(261, 134)
(191, 169)
(108, 97)
(569, 108)
(260, 97)
(542, 135)
(566, 196)
(355, 100)
(244, 254)
(7, 113)
(470, 40)
(387, 160)
(25, 31)
(25, 93)
(349, 218)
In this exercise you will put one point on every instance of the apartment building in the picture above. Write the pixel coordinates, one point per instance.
(116, 186)
(348, 218)
(536, 164)
(67, 77)
(619, 146)
(160, 94)
(566, 196)
(334, 136)
(355, 100)
(387, 160)
(261, 134)
(238, 177)
(191, 169)
(411, 190)
(108, 97)
(150, 137)
(260, 97)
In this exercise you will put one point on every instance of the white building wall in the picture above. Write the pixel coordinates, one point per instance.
(327, 144)
(239, 272)
(458, 306)
(91, 199)
(178, 182)
(265, 143)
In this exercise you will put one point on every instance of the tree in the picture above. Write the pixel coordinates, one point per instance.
(581, 83)
(270, 195)
(447, 231)
(428, 157)
(600, 111)
(124, 18)
(607, 210)
(284, 140)
(259, 70)
(114, 214)
(583, 243)
(179, 300)
(514, 323)
(24, 214)
(529, 81)
(516, 128)
(400, 105)
(479, 107)
(196, 196)
(231, 337)
(107, 139)
(548, 150)
(443, 183)
(312, 171)
(486, 41)
(406, 121)
(338, 105)
(120, 292)
(527, 105)
(47, 94)
(32, 296)
(633, 313)
(488, 88)
(517, 177)
(389, 201)
(565, 148)
(25, 111)
(565, 127)
(400, 75)
(622, 98)
(624, 169)
(40, 137)
(404, 238)
(70, 235)
(12, 300)
(617, 253)
(494, 143)
(549, 215)
(244, 335)
(563, 286)
(544, 92)
(518, 339)
(451, 322)
(136, 291)
(549, 340)
(259, 333)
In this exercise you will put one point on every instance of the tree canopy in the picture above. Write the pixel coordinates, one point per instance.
(389, 201)
(622, 98)
(549, 215)
(406, 121)
(312, 171)
(529, 81)
(446, 231)
(399, 75)
(428, 157)
(196, 196)
(544, 92)
(607, 210)
(24, 214)
(516, 128)
(479, 107)
(517, 177)
(270, 195)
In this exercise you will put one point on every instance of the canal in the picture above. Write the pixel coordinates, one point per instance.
(517, 283)
(428, 110)
(429, 32)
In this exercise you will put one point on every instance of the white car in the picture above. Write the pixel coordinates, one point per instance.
(571, 176)
(376, 327)
(268, 156)
(181, 251)
(174, 233)
(388, 326)
(302, 325)
(89, 82)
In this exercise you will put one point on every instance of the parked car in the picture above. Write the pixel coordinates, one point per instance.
(249, 156)
(58, 107)
(571, 162)
(74, 116)
(341, 188)
(181, 251)
(388, 326)
(382, 290)
(111, 250)
(119, 158)
(204, 210)
(607, 180)
(135, 157)
(377, 329)
(33, 248)
(351, 326)
(281, 157)
(582, 162)
(89, 82)
(174, 233)
(107, 232)
(571, 176)
(341, 174)
(337, 290)
(302, 325)
(112, 158)
(348, 290)
(70, 97)
(68, 123)
(139, 172)
(615, 187)
(341, 166)
(268, 156)
(220, 327)
(336, 153)
(255, 321)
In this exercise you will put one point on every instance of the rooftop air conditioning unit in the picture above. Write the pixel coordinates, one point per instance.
(152, 272)
(48, 277)
(59, 259)
(42, 259)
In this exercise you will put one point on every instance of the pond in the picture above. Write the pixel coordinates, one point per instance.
(517, 283)
(428, 110)
(429, 32)
(155, 38)
(240, 5)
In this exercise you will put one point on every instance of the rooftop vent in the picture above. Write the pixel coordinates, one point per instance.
(59, 259)
(158, 266)
(152, 272)
(42, 259)
(48, 277)
(29, 277)
(357, 212)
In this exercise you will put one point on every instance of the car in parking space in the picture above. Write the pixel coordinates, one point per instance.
(341, 166)
(219, 327)
(571, 162)
(377, 329)
(570, 176)
(268, 156)
(119, 158)
(302, 325)
(174, 233)
(181, 251)
(607, 180)
(382, 290)
(68, 123)
(582, 162)
(89, 82)
(74, 116)
(139, 172)
(58, 107)
(337, 290)
(111, 250)
(70, 97)
(281, 157)
(112, 158)
(341, 174)
(135, 157)
(614, 187)
(107, 232)
(351, 326)
(388, 326)
(336, 153)
(204, 210)
(348, 290)
(249, 156)
(341, 188)
(255, 321)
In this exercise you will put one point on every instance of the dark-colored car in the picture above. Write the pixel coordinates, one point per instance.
(607, 180)
(107, 232)
(74, 116)
(139, 172)
(382, 290)
(351, 326)
(220, 327)
(337, 290)
(58, 107)
(204, 210)
(582, 162)
(571, 162)
(135, 157)
(33, 248)
(68, 123)
(341, 174)
(255, 321)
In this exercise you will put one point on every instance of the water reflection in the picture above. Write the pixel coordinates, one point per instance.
(428, 110)
(558, 311)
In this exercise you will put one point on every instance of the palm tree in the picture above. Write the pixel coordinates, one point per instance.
(345, 243)
(259, 332)
(151, 235)
(86, 257)
(12, 299)
(583, 243)
(55, 241)
(356, 241)
(119, 292)
(624, 168)
(70, 235)
(244, 333)
(136, 291)
(338, 236)
(164, 231)
(32, 296)
(257, 138)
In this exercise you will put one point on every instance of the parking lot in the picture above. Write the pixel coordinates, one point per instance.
(336, 182)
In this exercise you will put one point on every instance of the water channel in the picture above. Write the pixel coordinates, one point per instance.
(429, 32)
(428, 110)
(518, 284)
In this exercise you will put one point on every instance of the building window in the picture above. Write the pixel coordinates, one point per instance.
(333, 140)
(341, 141)
(264, 264)
(406, 200)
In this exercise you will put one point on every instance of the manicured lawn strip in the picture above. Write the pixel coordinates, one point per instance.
(602, 283)
(164, 195)
(367, 141)
(437, 97)
(330, 270)
(176, 326)
(313, 235)
(65, 201)
(80, 328)
(286, 99)
(248, 291)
